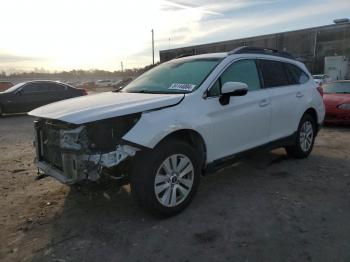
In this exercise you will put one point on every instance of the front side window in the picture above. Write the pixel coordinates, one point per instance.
(273, 73)
(244, 71)
(34, 88)
(178, 76)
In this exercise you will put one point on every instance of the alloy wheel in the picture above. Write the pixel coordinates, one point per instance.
(306, 136)
(174, 180)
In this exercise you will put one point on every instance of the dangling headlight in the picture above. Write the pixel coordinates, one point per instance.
(104, 135)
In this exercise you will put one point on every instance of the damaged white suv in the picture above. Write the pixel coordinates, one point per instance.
(182, 119)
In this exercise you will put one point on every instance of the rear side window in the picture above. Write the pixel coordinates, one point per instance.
(273, 73)
(295, 74)
(56, 87)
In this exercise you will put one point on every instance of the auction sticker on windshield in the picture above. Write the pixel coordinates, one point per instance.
(183, 87)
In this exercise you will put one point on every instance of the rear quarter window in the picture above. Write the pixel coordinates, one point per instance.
(295, 74)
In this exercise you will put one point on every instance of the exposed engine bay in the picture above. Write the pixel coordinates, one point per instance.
(72, 153)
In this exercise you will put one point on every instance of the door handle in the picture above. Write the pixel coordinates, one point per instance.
(264, 102)
(299, 94)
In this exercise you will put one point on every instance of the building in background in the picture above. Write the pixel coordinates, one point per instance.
(311, 45)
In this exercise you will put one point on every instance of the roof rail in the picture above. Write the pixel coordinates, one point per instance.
(183, 55)
(260, 50)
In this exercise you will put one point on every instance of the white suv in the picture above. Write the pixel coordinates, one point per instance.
(182, 119)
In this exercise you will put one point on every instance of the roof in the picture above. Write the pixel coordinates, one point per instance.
(36, 81)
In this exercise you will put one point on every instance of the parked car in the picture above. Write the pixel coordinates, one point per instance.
(182, 119)
(86, 84)
(322, 79)
(74, 83)
(5, 85)
(121, 83)
(337, 102)
(105, 82)
(26, 96)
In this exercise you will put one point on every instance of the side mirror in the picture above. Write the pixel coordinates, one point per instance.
(232, 89)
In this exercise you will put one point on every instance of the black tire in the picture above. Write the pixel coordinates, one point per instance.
(145, 168)
(296, 150)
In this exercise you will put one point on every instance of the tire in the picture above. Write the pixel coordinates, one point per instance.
(156, 165)
(305, 138)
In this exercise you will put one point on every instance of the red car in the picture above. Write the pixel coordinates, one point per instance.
(336, 97)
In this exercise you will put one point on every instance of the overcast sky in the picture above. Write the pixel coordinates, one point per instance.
(89, 34)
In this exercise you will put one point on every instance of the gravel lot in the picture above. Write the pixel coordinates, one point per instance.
(266, 208)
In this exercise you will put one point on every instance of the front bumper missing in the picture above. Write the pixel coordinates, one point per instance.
(49, 170)
(78, 163)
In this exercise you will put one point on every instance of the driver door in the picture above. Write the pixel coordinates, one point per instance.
(244, 123)
(19, 101)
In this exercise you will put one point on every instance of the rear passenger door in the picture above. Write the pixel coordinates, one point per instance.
(244, 123)
(287, 95)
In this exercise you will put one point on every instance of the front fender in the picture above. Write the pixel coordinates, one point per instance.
(191, 114)
(153, 127)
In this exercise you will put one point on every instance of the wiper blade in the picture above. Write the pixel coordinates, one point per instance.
(150, 92)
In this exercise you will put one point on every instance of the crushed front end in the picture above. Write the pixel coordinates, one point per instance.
(73, 153)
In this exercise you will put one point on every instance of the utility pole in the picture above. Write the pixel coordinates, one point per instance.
(152, 45)
(121, 65)
(314, 53)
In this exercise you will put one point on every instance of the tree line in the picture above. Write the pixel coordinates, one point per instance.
(42, 73)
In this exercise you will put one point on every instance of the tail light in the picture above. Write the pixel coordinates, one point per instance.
(320, 89)
(84, 92)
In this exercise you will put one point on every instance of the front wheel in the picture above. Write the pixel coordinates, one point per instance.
(305, 138)
(165, 180)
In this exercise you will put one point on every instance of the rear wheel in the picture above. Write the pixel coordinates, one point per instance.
(165, 180)
(305, 138)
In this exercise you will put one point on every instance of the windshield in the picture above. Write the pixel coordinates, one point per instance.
(337, 88)
(13, 88)
(178, 76)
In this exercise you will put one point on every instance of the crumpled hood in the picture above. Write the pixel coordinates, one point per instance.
(336, 99)
(102, 106)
